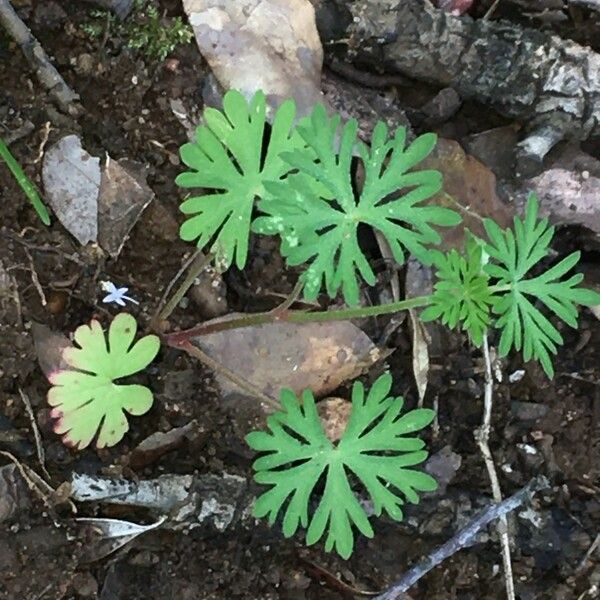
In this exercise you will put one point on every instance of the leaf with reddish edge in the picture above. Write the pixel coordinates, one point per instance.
(84, 397)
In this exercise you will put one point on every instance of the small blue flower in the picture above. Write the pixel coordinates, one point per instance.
(116, 295)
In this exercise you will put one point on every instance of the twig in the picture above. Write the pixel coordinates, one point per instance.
(491, 10)
(588, 554)
(240, 382)
(482, 435)
(372, 80)
(46, 129)
(45, 71)
(34, 278)
(36, 433)
(36, 484)
(289, 300)
(463, 538)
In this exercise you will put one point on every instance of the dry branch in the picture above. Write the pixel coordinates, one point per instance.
(45, 71)
(551, 84)
(463, 538)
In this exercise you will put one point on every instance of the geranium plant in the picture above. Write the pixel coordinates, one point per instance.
(86, 399)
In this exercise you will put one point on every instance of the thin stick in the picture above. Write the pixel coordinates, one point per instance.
(35, 483)
(197, 261)
(45, 71)
(240, 382)
(491, 10)
(464, 537)
(36, 433)
(482, 436)
(588, 554)
(34, 278)
(293, 316)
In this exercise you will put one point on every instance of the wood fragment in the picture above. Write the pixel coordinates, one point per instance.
(45, 71)
(549, 83)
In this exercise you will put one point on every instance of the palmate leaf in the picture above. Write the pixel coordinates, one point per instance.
(514, 255)
(226, 158)
(376, 448)
(317, 213)
(85, 399)
(462, 292)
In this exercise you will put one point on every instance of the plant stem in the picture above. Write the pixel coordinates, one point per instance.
(482, 435)
(198, 262)
(293, 316)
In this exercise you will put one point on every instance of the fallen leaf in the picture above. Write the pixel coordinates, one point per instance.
(71, 179)
(104, 536)
(205, 498)
(420, 351)
(272, 356)
(49, 346)
(334, 414)
(569, 190)
(469, 188)
(159, 443)
(268, 45)
(124, 194)
(14, 495)
(443, 466)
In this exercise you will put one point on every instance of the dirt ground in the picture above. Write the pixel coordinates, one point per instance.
(540, 426)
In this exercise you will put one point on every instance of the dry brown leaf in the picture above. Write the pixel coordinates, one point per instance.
(272, 356)
(124, 194)
(154, 446)
(49, 346)
(71, 181)
(469, 188)
(268, 45)
(420, 353)
(334, 414)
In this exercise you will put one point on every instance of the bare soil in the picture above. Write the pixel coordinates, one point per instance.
(540, 426)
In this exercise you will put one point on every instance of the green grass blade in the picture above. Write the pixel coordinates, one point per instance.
(25, 183)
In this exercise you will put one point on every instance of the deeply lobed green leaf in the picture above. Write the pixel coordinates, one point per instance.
(515, 253)
(317, 212)
(226, 158)
(462, 294)
(376, 448)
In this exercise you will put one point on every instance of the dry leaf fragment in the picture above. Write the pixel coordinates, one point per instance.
(272, 356)
(71, 179)
(469, 188)
(124, 194)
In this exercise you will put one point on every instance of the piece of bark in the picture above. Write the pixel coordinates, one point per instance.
(549, 83)
(45, 71)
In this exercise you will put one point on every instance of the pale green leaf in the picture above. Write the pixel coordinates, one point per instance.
(86, 400)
